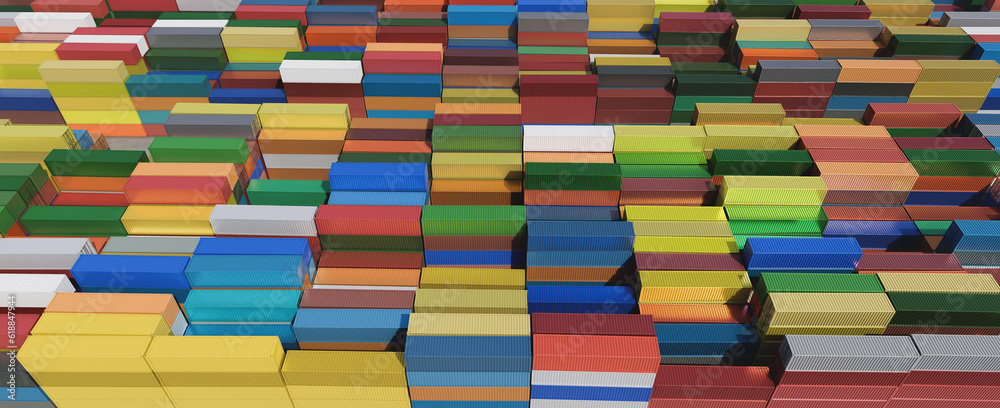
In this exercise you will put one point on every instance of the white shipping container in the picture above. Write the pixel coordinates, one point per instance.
(321, 72)
(33, 290)
(267, 220)
(561, 138)
(54, 254)
(111, 39)
(190, 23)
(53, 22)
(215, 6)
(7, 19)
(547, 403)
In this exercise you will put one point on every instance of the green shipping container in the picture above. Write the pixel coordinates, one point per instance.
(477, 138)
(760, 162)
(199, 150)
(816, 283)
(505, 220)
(665, 171)
(945, 309)
(288, 192)
(74, 221)
(660, 158)
(94, 163)
(186, 59)
(573, 176)
(33, 171)
(969, 163)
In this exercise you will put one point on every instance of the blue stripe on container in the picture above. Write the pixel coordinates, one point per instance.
(992, 100)
(801, 253)
(901, 235)
(83, 137)
(378, 198)
(350, 325)
(131, 271)
(246, 271)
(283, 330)
(580, 236)
(515, 258)
(607, 259)
(581, 299)
(467, 378)
(402, 85)
(342, 15)
(971, 235)
(378, 177)
(316, 48)
(27, 100)
(242, 306)
(24, 394)
(252, 96)
(577, 393)
(572, 213)
(258, 246)
(482, 15)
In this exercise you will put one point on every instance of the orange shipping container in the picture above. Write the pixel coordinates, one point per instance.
(690, 313)
(367, 277)
(867, 176)
(848, 49)
(475, 31)
(750, 56)
(476, 192)
(879, 71)
(301, 141)
(387, 146)
(340, 36)
(125, 303)
(73, 183)
(842, 131)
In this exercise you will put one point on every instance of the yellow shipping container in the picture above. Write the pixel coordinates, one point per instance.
(98, 103)
(272, 55)
(261, 37)
(226, 393)
(315, 403)
(749, 137)
(343, 369)
(111, 72)
(620, 24)
(939, 282)
(346, 393)
(22, 83)
(85, 90)
(37, 138)
(28, 71)
(749, 29)
(950, 89)
(28, 53)
(729, 287)
(214, 354)
(482, 95)
(304, 115)
(168, 220)
(961, 70)
(468, 324)
(186, 108)
(691, 6)
(241, 403)
(826, 309)
(620, 8)
(477, 166)
(630, 138)
(101, 324)
(112, 403)
(494, 301)
(674, 213)
(967, 104)
(687, 245)
(771, 190)
(766, 114)
(85, 354)
(103, 393)
(472, 278)
(113, 117)
(682, 228)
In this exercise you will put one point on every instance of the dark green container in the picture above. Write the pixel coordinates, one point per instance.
(33, 171)
(931, 45)
(288, 192)
(353, 157)
(503, 220)
(758, 8)
(381, 243)
(7, 220)
(477, 138)
(945, 309)
(199, 150)
(666, 171)
(186, 59)
(94, 163)
(967, 163)
(660, 158)
(816, 283)
(667, 39)
(687, 102)
(74, 221)
(917, 132)
(13, 202)
(573, 176)
(20, 185)
(760, 162)
(715, 85)
(704, 68)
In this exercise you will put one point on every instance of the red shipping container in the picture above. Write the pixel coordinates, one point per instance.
(838, 213)
(986, 38)
(794, 89)
(480, 57)
(388, 260)
(177, 190)
(560, 102)
(687, 403)
(66, 198)
(24, 321)
(368, 220)
(111, 30)
(153, 129)
(127, 53)
(356, 299)
(648, 261)
(966, 378)
(355, 104)
(250, 79)
(558, 85)
(858, 156)
(592, 324)
(817, 11)
(145, 5)
(943, 143)
(324, 90)
(128, 22)
(259, 12)
(681, 22)
(713, 383)
(402, 34)
(402, 62)
(947, 392)
(916, 403)
(694, 54)
(559, 117)
(830, 378)
(667, 191)
(554, 66)
(912, 115)
(831, 392)
(617, 354)
(948, 213)
(848, 143)
(825, 404)
(96, 8)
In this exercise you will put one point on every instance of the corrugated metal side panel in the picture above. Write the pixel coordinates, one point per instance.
(939, 282)
(693, 262)
(947, 352)
(908, 261)
(213, 354)
(460, 324)
(592, 324)
(848, 353)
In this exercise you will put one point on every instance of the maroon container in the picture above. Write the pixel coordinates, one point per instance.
(953, 378)
(908, 261)
(557, 117)
(694, 54)
(648, 261)
(404, 34)
(680, 22)
(713, 383)
(588, 103)
(479, 57)
(612, 99)
(324, 90)
(829, 392)
(917, 403)
(798, 103)
(34, 117)
(944, 143)
(558, 85)
(947, 213)
(667, 191)
(692, 403)
(858, 156)
(127, 53)
(848, 143)
(794, 89)
(356, 299)
(912, 115)
(554, 66)
(830, 378)
(825, 404)
(947, 392)
(592, 324)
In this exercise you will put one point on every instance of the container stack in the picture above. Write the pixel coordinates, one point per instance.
(749, 387)
(376, 138)
(92, 95)
(475, 360)
(788, 255)
(596, 184)
(963, 83)
(480, 75)
(414, 22)
(258, 75)
(179, 198)
(155, 95)
(682, 36)
(804, 284)
(878, 235)
(29, 145)
(803, 88)
(881, 178)
(913, 119)
(65, 367)
(300, 141)
(478, 24)
(233, 120)
(318, 378)
(693, 313)
(569, 143)
(945, 374)
(470, 169)
(32, 294)
(837, 38)
(770, 39)
(267, 221)
(579, 253)
(492, 237)
(576, 105)
(609, 349)
(360, 183)
(931, 45)
(132, 274)
(841, 370)
(162, 309)
(914, 294)
(621, 27)
(403, 80)
(92, 177)
(737, 115)
(238, 370)
(237, 312)
(554, 33)
(646, 78)
(747, 221)
(325, 77)
(369, 247)
(682, 148)
(971, 241)
(76, 221)
(771, 191)
(709, 87)
(707, 344)
(187, 45)
(870, 81)
(20, 69)
(900, 12)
